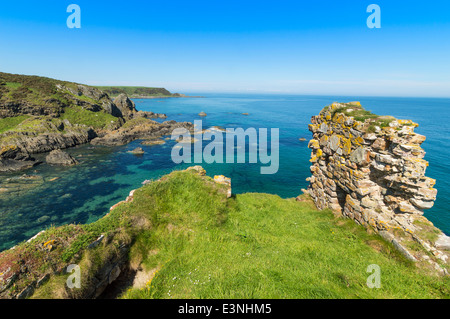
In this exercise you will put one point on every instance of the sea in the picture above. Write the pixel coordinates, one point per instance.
(106, 175)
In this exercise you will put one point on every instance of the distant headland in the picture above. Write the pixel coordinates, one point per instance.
(142, 92)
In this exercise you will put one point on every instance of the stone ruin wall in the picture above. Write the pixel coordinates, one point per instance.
(375, 176)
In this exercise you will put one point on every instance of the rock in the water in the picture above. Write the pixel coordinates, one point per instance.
(153, 142)
(202, 114)
(58, 157)
(10, 165)
(137, 151)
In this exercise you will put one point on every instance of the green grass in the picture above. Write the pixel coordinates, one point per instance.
(361, 115)
(9, 123)
(13, 85)
(201, 245)
(134, 91)
(262, 246)
(96, 120)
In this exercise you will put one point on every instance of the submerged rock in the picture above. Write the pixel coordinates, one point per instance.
(153, 142)
(137, 151)
(11, 165)
(58, 157)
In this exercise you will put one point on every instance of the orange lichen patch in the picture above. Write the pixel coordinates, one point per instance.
(312, 127)
(407, 122)
(50, 242)
(339, 118)
(359, 140)
(313, 159)
(416, 160)
(431, 181)
(319, 153)
(7, 148)
(220, 179)
(323, 140)
(314, 144)
(346, 145)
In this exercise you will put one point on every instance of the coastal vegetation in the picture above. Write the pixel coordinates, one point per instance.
(135, 91)
(186, 239)
(97, 120)
(10, 123)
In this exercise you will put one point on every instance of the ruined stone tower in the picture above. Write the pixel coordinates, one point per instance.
(371, 169)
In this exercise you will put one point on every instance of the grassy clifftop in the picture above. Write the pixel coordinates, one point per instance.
(135, 91)
(183, 238)
(24, 96)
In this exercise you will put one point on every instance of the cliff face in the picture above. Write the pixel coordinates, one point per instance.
(39, 114)
(371, 169)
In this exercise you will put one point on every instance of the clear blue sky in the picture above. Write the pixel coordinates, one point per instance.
(305, 47)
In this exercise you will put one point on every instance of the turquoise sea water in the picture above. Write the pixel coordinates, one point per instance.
(106, 175)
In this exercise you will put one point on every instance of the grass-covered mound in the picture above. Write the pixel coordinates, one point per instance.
(187, 240)
(263, 246)
(359, 114)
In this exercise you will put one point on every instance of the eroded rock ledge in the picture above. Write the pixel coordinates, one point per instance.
(371, 169)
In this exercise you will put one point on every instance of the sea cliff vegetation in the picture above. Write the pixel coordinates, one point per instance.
(137, 91)
(183, 237)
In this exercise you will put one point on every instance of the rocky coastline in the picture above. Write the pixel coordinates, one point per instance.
(81, 115)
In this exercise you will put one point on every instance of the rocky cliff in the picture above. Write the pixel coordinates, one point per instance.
(371, 169)
(40, 114)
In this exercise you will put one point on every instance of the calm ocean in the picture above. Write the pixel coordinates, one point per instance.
(106, 175)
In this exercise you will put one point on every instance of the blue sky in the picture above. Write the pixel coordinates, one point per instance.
(299, 47)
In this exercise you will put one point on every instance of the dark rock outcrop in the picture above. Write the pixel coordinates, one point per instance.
(58, 157)
(125, 105)
(148, 130)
